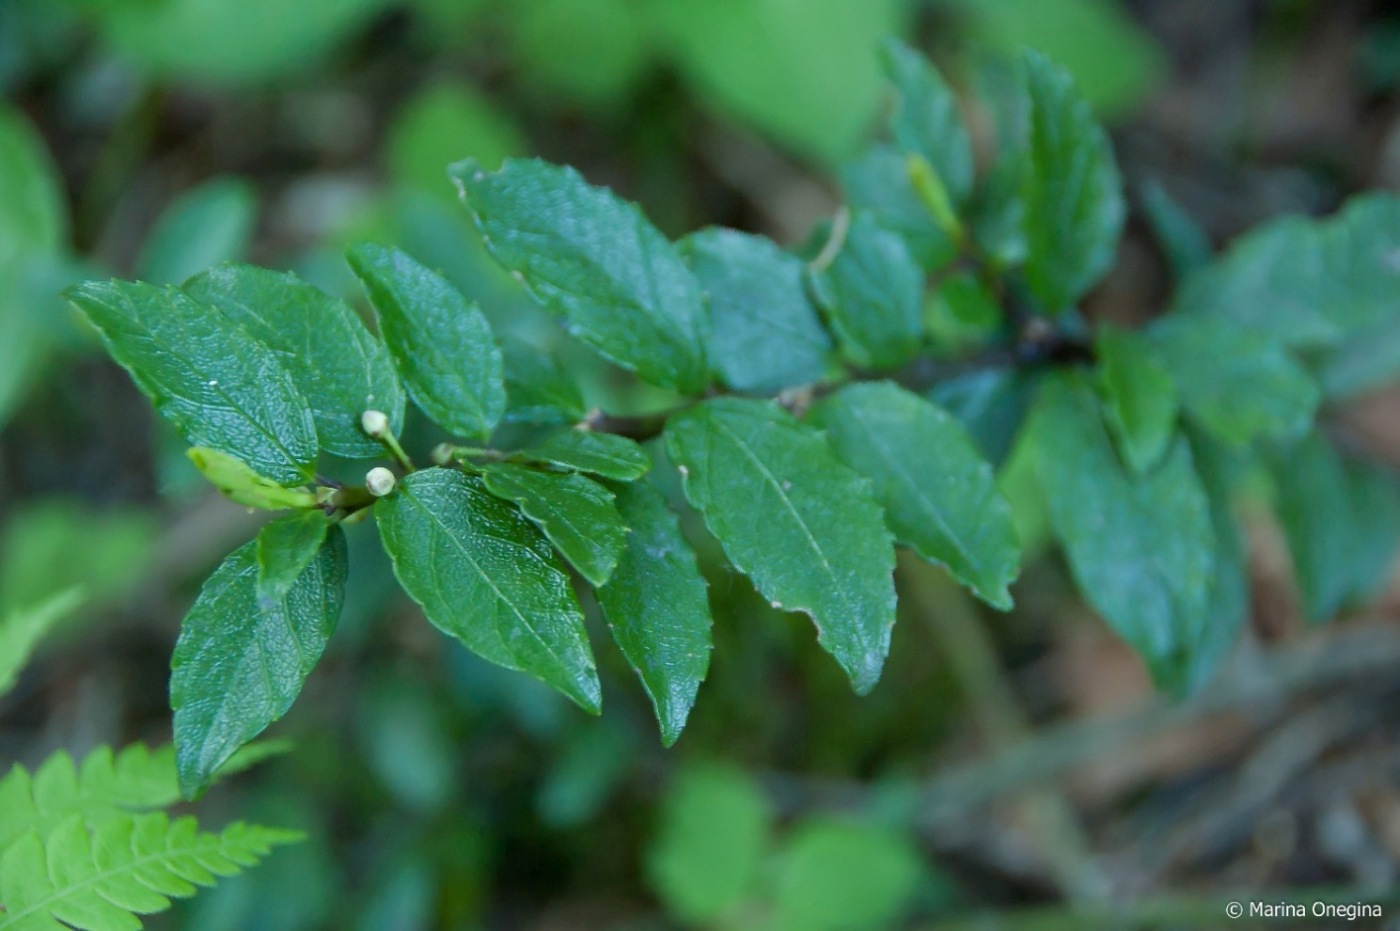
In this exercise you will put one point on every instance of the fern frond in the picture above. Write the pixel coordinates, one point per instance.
(100, 880)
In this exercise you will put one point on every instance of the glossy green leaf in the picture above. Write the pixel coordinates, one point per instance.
(595, 260)
(1140, 546)
(440, 342)
(606, 454)
(238, 666)
(485, 575)
(576, 513)
(1240, 384)
(926, 121)
(205, 226)
(285, 547)
(206, 374)
(338, 364)
(837, 876)
(878, 183)
(766, 335)
(873, 294)
(657, 607)
(939, 493)
(21, 629)
(1070, 189)
(796, 520)
(240, 484)
(1139, 399)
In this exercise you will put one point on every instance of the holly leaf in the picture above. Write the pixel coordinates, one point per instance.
(605, 454)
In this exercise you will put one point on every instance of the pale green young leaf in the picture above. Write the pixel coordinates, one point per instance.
(926, 121)
(485, 575)
(240, 484)
(538, 390)
(873, 294)
(796, 520)
(205, 226)
(1139, 399)
(839, 876)
(445, 122)
(286, 546)
(1140, 546)
(440, 342)
(606, 454)
(239, 666)
(594, 259)
(939, 493)
(657, 607)
(766, 335)
(206, 374)
(22, 628)
(576, 513)
(336, 362)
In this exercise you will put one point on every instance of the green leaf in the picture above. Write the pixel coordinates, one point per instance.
(240, 484)
(797, 521)
(441, 124)
(208, 376)
(338, 364)
(605, 454)
(1228, 604)
(1180, 237)
(873, 294)
(878, 183)
(657, 607)
(926, 121)
(440, 342)
(589, 51)
(538, 391)
(837, 876)
(1139, 399)
(1140, 546)
(238, 666)
(485, 575)
(1070, 188)
(576, 513)
(131, 865)
(705, 860)
(594, 259)
(939, 494)
(21, 629)
(205, 226)
(1240, 384)
(766, 335)
(285, 548)
(33, 211)
(992, 404)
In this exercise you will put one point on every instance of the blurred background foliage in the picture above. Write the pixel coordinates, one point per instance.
(152, 138)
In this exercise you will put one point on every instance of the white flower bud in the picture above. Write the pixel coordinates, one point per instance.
(375, 423)
(380, 481)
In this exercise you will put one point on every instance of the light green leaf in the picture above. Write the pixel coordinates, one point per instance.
(705, 860)
(797, 521)
(873, 294)
(205, 226)
(594, 259)
(766, 335)
(285, 548)
(440, 342)
(21, 629)
(939, 493)
(657, 607)
(837, 876)
(576, 513)
(1238, 383)
(240, 484)
(208, 376)
(926, 121)
(1070, 188)
(238, 666)
(336, 362)
(1140, 546)
(1139, 399)
(485, 575)
(589, 51)
(33, 212)
(538, 391)
(605, 454)
(878, 183)
(441, 124)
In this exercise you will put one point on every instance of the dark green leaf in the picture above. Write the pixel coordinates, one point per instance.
(657, 607)
(238, 666)
(593, 258)
(206, 374)
(1229, 585)
(605, 454)
(203, 227)
(790, 515)
(873, 294)
(286, 546)
(440, 342)
(992, 404)
(576, 513)
(485, 575)
(1138, 398)
(1185, 243)
(878, 183)
(338, 364)
(538, 391)
(939, 494)
(765, 332)
(926, 121)
(1141, 546)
